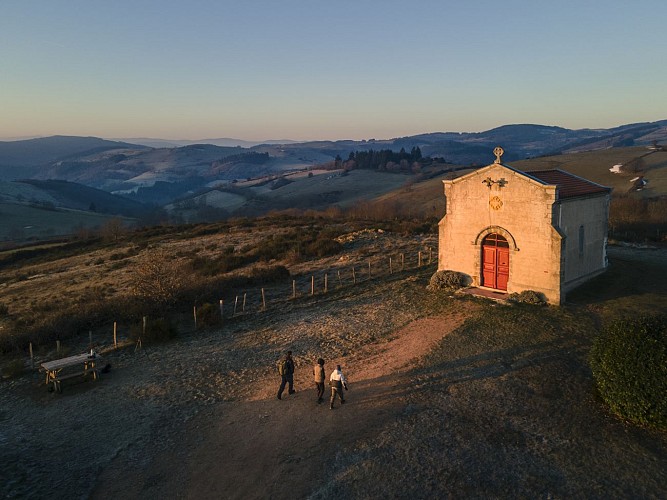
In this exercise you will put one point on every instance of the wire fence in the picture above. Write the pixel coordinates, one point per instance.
(234, 304)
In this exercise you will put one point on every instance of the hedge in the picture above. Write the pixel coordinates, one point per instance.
(629, 363)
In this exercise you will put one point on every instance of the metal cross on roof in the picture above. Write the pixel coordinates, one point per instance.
(498, 151)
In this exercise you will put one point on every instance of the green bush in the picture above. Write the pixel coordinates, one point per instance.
(157, 330)
(208, 315)
(212, 266)
(323, 247)
(528, 297)
(13, 369)
(629, 363)
(447, 280)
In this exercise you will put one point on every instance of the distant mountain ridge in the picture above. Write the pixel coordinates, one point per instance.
(124, 167)
(32, 152)
(223, 142)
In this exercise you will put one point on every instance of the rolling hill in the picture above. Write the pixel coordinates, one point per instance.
(596, 165)
(123, 167)
(204, 182)
(38, 210)
(24, 159)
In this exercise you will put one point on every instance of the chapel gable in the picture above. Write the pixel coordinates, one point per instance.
(511, 231)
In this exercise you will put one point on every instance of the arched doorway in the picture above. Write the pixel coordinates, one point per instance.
(495, 261)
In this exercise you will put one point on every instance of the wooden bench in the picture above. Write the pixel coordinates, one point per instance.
(57, 370)
(57, 386)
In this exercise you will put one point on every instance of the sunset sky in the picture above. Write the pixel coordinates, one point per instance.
(309, 69)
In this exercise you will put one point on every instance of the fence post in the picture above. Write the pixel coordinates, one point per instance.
(430, 254)
(294, 289)
(340, 281)
(32, 359)
(354, 277)
(243, 307)
(369, 269)
(194, 313)
(115, 340)
(263, 301)
(312, 285)
(139, 345)
(419, 259)
(402, 262)
(326, 282)
(222, 302)
(236, 303)
(390, 268)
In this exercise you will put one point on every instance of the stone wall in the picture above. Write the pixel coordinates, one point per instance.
(583, 221)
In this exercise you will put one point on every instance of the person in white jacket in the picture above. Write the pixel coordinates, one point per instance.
(338, 383)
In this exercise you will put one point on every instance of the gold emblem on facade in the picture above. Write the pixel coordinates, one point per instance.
(496, 203)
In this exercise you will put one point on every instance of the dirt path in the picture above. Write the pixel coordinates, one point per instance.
(264, 448)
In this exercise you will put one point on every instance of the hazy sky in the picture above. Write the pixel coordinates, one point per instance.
(309, 69)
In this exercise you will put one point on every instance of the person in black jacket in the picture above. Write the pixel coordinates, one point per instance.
(286, 371)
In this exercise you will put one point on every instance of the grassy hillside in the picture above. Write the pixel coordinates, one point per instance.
(595, 165)
(427, 197)
(336, 187)
(37, 210)
(20, 159)
(305, 190)
(368, 192)
(419, 198)
(502, 406)
(21, 222)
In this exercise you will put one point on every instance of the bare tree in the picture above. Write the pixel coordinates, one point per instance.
(634, 166)
(113, 229)
(157, 280)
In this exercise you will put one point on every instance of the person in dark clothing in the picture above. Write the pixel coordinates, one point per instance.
(286, 371)
(318, 373)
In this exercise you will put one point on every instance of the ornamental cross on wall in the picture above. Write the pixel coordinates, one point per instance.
(490, 182)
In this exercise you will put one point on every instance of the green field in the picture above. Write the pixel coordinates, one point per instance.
(24, 222)
(595, 165)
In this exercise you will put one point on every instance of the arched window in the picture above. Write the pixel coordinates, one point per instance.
(495, 240)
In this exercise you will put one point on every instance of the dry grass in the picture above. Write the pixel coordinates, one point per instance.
(503, 406)
(87, 289)
(595, 165)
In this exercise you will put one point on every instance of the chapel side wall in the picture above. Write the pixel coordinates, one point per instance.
(584, 261)
(525, 213)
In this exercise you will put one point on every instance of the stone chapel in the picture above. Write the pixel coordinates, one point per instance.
(510, 231)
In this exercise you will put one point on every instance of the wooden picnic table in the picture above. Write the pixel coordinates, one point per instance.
(79, 365)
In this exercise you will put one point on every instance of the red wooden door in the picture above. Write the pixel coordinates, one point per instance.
(489, 266)
(503, 268)
(495, 262)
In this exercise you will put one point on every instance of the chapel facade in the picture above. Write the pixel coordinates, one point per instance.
(511, 231)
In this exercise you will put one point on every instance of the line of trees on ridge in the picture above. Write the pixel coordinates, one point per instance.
(383, 160)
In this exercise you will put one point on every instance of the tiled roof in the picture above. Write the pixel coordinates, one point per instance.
(569, 185)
